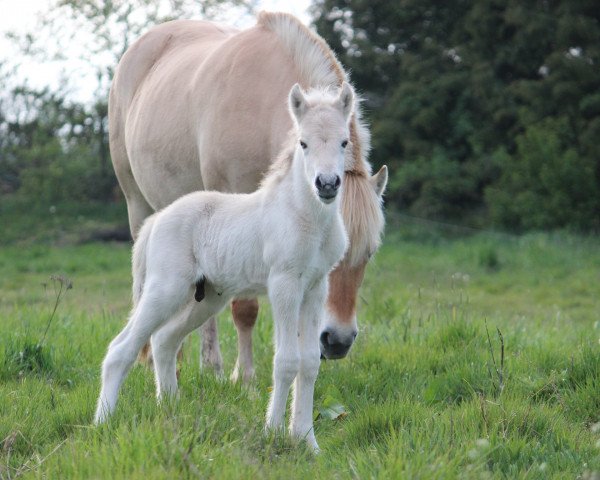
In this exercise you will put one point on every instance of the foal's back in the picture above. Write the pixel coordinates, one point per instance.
(211, 235)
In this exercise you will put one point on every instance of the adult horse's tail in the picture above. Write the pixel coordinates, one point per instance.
(138, 272)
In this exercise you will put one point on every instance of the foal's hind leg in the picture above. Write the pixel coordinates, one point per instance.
(167, 341)
(165, 345)
(156, 305)
(244, 316)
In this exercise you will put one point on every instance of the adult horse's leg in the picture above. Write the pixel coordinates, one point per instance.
(167, 341)
(301, 422)
(138, 208)
(244, 317)
(159, 301)
(211, 353)
(285, 295)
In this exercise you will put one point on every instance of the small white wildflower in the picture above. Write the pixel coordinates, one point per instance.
(482, 443)
(52, 209)
(595, 428)
(543, 466)
(473, 454)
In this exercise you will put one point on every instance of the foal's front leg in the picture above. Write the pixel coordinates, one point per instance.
(301, 423)
(285, 295)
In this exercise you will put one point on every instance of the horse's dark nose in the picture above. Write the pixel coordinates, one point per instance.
(334, 345)
(328, 186)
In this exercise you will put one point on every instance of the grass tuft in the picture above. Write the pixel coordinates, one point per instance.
(24, 356)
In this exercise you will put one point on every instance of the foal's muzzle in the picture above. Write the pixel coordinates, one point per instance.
(334, 346)
(328, 187)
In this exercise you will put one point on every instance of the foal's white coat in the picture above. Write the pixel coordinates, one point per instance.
(282, 239)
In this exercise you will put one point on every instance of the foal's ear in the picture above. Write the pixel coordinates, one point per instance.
(297, 101)
(346, 99)
(379, 180)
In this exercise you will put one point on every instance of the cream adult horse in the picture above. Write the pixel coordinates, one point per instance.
(230, 245)
(200, 106)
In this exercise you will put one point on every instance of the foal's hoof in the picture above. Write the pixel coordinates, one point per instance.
(101, 417)
(313, 446)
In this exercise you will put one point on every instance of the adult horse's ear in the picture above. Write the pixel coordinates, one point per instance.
(379, 180)
(297, 102)
(346, 99)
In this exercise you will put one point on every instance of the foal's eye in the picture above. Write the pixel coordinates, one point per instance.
(344, 143)
(303, 145)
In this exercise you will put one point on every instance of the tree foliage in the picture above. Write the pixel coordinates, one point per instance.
(479, 106)
(487, 112)
(54, 149)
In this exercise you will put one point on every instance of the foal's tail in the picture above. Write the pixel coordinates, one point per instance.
(139, 275)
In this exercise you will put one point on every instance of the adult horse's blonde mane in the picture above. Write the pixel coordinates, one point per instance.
(319, 68)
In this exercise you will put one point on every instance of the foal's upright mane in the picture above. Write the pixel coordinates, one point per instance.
(319, 68)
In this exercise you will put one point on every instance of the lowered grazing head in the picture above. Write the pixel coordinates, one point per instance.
(322, 122)
(363, 218)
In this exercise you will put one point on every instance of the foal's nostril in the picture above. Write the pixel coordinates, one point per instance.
(328, 185)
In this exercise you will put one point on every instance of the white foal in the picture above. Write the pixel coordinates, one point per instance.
(192, 257)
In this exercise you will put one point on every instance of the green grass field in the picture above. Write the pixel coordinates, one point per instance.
(426, 392)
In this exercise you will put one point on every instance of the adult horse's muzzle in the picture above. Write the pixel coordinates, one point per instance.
(335, 345)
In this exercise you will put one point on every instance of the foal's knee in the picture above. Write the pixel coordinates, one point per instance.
(286, 368)
(309, 364)
(244, 313)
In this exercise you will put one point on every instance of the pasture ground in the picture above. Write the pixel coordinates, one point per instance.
(425, 392)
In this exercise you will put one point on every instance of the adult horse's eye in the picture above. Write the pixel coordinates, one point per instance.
(344, 143)
(303, 145)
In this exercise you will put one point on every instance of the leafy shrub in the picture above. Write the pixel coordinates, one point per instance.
(546, 184)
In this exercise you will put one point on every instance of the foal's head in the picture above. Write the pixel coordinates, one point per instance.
(322, 121)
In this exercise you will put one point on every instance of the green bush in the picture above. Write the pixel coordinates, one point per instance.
(546, 183)
(55, 176)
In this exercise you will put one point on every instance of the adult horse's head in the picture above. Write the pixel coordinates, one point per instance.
(322, 120)
(328, 137)
(363, 218)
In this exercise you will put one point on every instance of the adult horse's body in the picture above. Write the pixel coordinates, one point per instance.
(196, 106)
